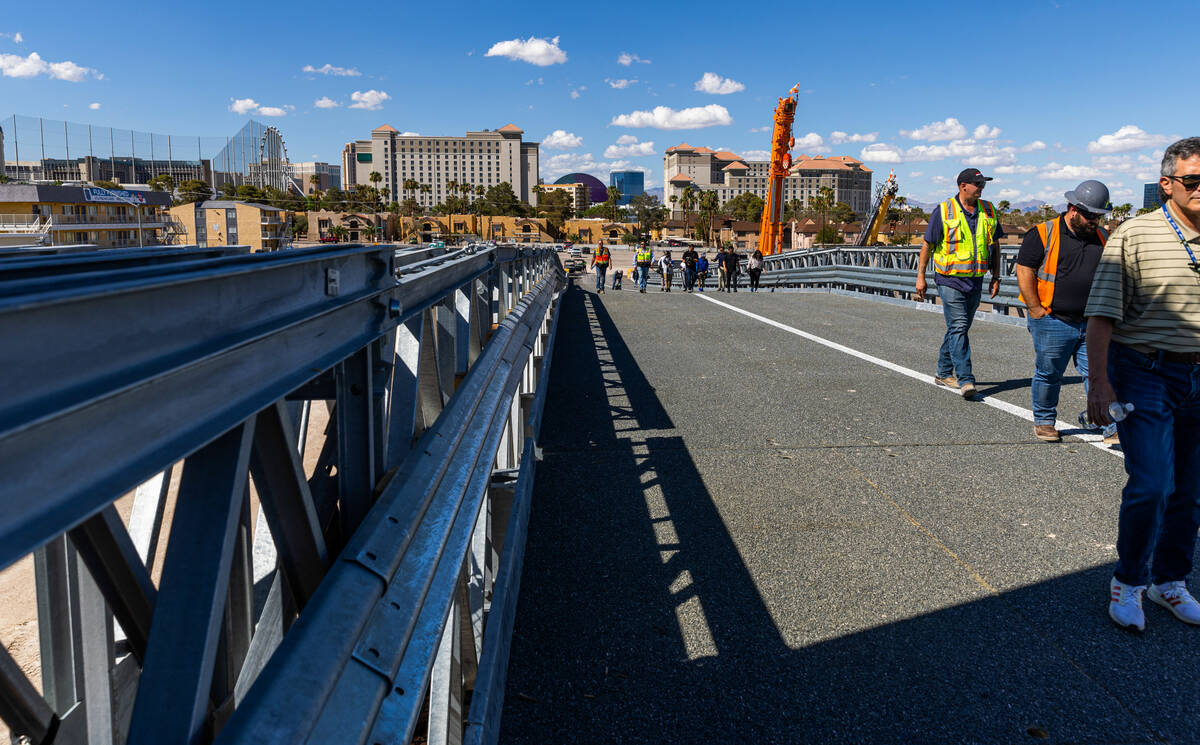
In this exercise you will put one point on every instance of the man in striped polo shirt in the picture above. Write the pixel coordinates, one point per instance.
(1143, 342)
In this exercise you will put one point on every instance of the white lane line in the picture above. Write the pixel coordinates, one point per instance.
(1096, 441)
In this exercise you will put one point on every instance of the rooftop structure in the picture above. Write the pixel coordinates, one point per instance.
(597, 191)
(65, 215)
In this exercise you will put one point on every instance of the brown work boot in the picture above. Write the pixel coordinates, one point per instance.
(949, 381)
(968, 391)
(1046, 433)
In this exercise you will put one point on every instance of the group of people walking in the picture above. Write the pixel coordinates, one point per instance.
(1125, 309)
(694, 266)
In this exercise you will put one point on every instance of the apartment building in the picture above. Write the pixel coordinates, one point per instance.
(729, 175)
(64, 215)
(485, 158)
(577, 193)
(220, 222)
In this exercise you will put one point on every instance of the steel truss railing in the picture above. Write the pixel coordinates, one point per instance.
(196, 382)
(891, 272)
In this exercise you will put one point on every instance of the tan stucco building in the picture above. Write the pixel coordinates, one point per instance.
(230, 223)
(62, 215)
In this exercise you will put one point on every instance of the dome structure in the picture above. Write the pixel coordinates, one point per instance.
(597, 191)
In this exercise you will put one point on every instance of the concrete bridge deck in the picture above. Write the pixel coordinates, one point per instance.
(740, 534)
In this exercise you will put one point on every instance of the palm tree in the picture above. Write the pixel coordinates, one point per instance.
(674, 198)
(709, 204)
(375, 178)
(1120, 213)
(315, 180)
(614, 196)
(689, 201)
(425, 189)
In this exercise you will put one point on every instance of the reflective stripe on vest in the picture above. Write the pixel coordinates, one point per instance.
(959, 253)
(643, 256)
(603, 257)
(1047, 273)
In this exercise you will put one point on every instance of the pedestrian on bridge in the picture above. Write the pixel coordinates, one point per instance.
(601, 258)
(963, 237)
(754, 268)
(702, 270)
(689, 260)
(642, 262)
(1055, 267)
(1143, 341)
(664, 266)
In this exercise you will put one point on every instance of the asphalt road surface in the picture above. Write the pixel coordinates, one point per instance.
(741, 533)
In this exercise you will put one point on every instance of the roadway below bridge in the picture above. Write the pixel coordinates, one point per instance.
(742, 532)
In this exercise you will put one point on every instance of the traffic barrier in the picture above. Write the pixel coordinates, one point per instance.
(364, 589)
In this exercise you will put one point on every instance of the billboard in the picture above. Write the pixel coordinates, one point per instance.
(113, 196)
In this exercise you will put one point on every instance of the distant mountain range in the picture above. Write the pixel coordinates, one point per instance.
(657, 192)
(1031, 205)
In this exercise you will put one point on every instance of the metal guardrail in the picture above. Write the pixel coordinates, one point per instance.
(391, 561)
(877, 271)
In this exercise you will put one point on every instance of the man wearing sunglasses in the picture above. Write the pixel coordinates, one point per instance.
(963, 238)
(1054, 271)
(1143, 341)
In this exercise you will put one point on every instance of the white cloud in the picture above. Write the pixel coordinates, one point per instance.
(561, 140)
(882, 153)
(328, 69)
(1125, 139)
(1009, 194)
(984, 132)
(94, 106)
(916, 174)
(243, 106)
(577, 92)
(756, 154)
(764, 128)
(950, 129)
(663, 117)
(812, 143)
(531, 81)
(16, 66)
(1013, 170)
(713, 83)
(628, 59)
(271, 111)
(325, 102)
(16, 37)
(1033, 146)
(535, 51)
(840, 138)
(409, 134)
(1068, 172)
(620, 82)
(371, 100)
(626, 149)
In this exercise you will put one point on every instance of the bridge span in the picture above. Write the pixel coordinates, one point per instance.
(378, 494)
(758, 520)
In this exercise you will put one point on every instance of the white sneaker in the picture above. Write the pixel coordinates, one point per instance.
(1125, 606)
(1174, 596)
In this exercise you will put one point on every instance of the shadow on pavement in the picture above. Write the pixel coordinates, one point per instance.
(639, 622)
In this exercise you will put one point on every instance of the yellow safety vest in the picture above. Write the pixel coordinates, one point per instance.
(1048, 272)
(643, 257)
(959, 253)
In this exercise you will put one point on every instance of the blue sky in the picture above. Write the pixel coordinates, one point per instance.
(1038, 94)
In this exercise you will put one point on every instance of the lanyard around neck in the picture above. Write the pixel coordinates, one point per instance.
(1178, 232)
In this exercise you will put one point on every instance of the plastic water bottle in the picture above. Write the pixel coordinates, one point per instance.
(1117, 411)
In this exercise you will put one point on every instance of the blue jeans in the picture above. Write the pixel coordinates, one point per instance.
(955, 354)
(1160, 505)
(643, 276)
(1055, 343)
(600, 270)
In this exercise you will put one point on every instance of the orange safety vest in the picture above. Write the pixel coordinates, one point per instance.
(1048, 271)
(603, 257)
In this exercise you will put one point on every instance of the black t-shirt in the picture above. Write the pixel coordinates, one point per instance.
(690, 258)
(1078, 258)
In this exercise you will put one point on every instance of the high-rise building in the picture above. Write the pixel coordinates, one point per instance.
(629, 183)
(1150, 196)
(328, 176)
(485, 158)
(577, 193)
(729, 175)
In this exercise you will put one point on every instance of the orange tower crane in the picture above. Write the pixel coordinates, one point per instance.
(770, 231)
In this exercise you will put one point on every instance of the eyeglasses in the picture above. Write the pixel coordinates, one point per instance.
(1087, 215)
(1190, 182)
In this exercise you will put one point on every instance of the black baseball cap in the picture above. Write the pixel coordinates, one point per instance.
(971, 175)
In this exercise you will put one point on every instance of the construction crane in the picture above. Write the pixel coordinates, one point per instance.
(770, 231)
(883, 199)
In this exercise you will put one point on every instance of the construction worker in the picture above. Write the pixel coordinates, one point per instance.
(1143, 340)
(642, 263)
(963, 238)
(1054, 271)
(601, 258)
